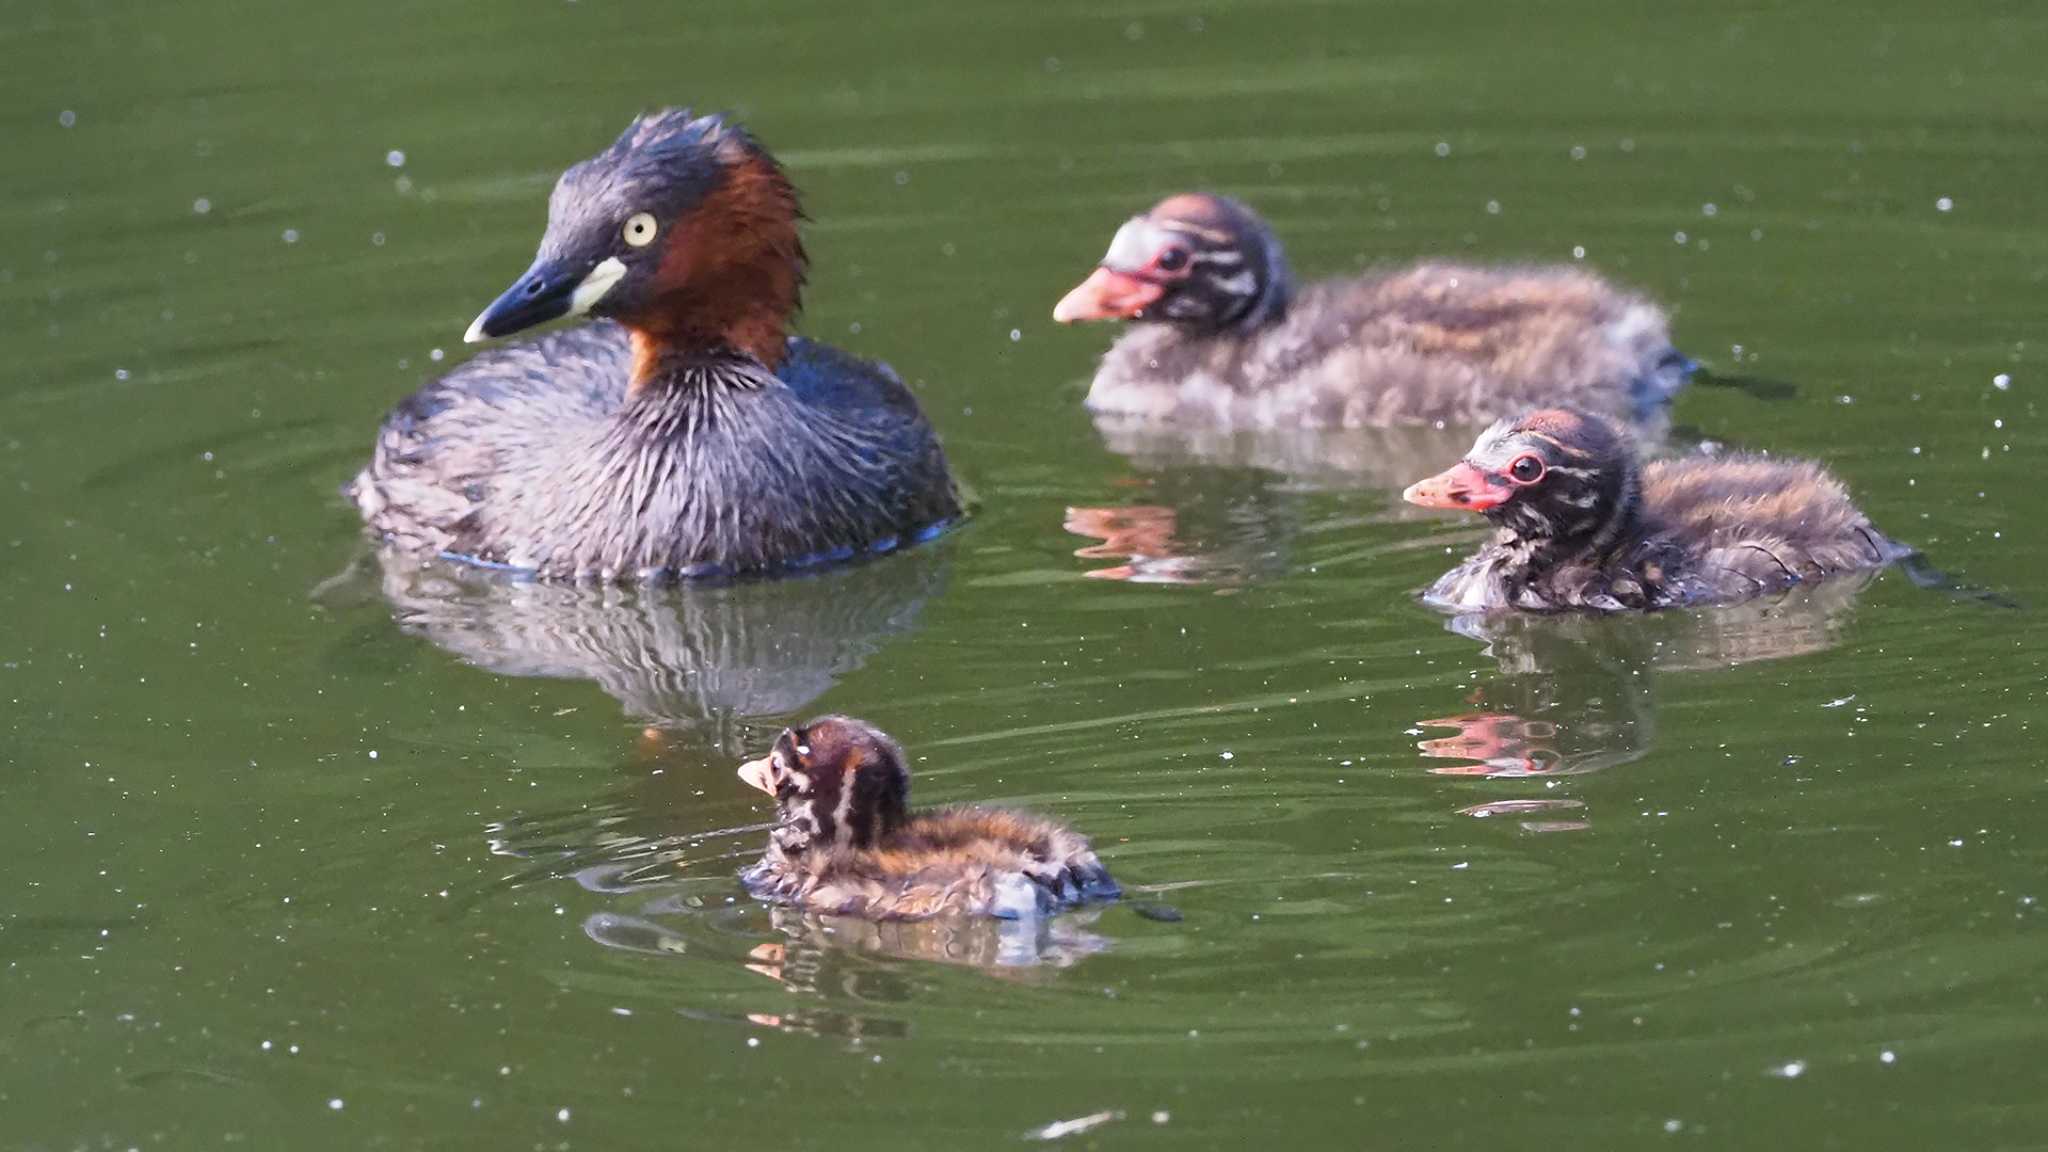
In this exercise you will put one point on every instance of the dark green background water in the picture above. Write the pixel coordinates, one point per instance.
(282, 829)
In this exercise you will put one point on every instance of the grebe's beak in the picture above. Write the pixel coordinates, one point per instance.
(551, 288)
(1463, 487)
(759, 774)
(1108, 295)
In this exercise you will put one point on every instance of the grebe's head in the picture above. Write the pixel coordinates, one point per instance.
(1555, 476)
(684, 230)
(1197, 260)
(837, 781)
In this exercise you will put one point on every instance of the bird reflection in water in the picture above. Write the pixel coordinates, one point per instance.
(702, 657)
(1224, 507)
(841, 969)
(1574, 693)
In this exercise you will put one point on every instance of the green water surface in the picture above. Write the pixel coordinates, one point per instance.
(300, 849)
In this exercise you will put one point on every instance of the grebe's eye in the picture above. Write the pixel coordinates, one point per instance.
(1173, 259)
(1527, 469)
(640, 229)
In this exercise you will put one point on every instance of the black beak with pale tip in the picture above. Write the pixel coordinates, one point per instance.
(554, 287)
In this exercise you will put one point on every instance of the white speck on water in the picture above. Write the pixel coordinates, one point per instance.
(373, 753)
(1161, 1116)
(1956, 843)
(1944, 204)
(376, 239)
(1790, 1070)
(753, 1041)
(265, 1045)
(1461, 865)
(120, 373)
(1493, 207)
(1578, 152)
(395, 158)
(335, 1105)
(436, 355)
(1679, 237)
(1756, 233)
(1061, 1129)
(1674, 1126)
(202, 206)
(1578, 251)
(2002, 382)
(622, 1011)
(66, 118)
(1887, 1057)
(1229, 756)
(291, 235)
(1710, 209)
(1016, 335)
(562, 1115)
(1443, 148)
(902, 177)
(1628, 144)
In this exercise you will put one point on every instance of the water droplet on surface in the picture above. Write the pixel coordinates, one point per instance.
(395, 158)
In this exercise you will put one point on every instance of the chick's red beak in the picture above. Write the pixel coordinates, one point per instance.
(1463, 486)
(1107, 295)
(759, 774)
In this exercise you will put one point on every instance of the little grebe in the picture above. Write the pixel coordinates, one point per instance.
(1583, 525)
(1224, 336)
(846, 843)
(691, 436)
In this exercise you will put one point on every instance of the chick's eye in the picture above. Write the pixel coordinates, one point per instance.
(640, 229)
(1173, 259)
(1526, 470)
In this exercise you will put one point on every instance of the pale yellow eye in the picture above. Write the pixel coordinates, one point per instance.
(640, 229)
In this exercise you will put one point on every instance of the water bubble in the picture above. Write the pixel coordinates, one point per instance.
(1790, 1070)
(2002, 382)
(1628, 144)
(1944, 204)
(1578, 152)
(1578, 251)
(1887, 1057)
(395, 158)
(1679, 237)
(1674, 1126)
(291, 235)
(66, 118)
(335, 1105)
(202, 206)
(562, 1115)
(1016, 335)
(1493, 207)
(120, 373)
(1710, 209)
(1443, 148)
(436, 355)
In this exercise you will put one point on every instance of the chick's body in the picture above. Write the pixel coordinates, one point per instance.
(846, 843)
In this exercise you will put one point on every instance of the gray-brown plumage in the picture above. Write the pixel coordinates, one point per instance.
(1221, 335)
(690, 438)
(846, 842)
(1582, 525)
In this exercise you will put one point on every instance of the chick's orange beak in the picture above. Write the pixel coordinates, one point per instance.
(1107, 295)
(759, 774)
(1463, 486)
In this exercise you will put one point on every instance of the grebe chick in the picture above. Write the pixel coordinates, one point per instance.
(1220, 334)
(847, 843)
(1582, 525)
(683, 435)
